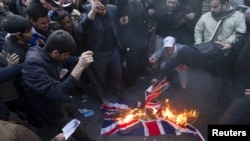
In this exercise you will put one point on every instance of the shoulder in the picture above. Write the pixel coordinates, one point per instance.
(206, 15)
(86, 7)
(112, 7)
(238, 14)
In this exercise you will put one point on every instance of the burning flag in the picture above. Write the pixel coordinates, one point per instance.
(147, 118)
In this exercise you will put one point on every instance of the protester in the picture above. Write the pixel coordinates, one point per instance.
(38, 16)
(42, 82)
(88, 78)
(160, 57)
(96, 18)
(234, 21)
(182, 59)
(134, 36)
(4, 13)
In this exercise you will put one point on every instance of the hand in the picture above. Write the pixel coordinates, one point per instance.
(12, 59)
(152, 59)
(96, 5)
(190, 16)
(40, 42)
(151, 12)
(123, 20)
(151, 29)
(224, 44)
(86, 58)
(76, 15)
(247, 93)
(154, 81)
(59, 137)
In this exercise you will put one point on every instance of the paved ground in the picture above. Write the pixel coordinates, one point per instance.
(198, 95)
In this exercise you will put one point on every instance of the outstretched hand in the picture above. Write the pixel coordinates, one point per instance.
(86, 58)
(224, 44)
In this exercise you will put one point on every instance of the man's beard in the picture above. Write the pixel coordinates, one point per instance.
(216, 15)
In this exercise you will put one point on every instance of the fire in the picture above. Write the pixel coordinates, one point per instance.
(165, 113)
(179, 119)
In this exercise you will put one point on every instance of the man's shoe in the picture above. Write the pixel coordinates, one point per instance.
(119, 95)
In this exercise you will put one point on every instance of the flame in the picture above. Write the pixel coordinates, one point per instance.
(165, 113)
(179, 119)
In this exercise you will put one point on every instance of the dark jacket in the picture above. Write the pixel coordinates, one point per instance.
(43, 86)
(188, 56)
(95, 37)
(7, 75)
(2, 39)
(19, 49)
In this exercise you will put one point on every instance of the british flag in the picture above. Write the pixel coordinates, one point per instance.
(155, 127)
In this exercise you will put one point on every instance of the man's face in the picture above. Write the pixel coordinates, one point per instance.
(217, 8)
(59, 57)
(171, 4)
(170, 50)
(102, 11)
(1, 6)
(67, 24)
(27, 35)
(41, 24)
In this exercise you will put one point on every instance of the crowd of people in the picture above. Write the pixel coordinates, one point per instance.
(51, 50)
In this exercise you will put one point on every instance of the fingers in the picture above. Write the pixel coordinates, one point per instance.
(247, 92)
(225, 44)
(124, 20)
(12, 59)
(154, 81)
(152, 59)
(87, 57)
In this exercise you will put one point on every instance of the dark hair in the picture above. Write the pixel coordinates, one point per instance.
(36, 10)
(104, 2)
(16, 23)
(59, 14)
(60, 40)
(222, 1)
(247, 2)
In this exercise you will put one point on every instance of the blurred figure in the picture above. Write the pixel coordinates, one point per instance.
(182, 59)
(4, 13)
(233, 22)
(134, 35)
(100, 20)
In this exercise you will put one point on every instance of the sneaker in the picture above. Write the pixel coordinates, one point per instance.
(105, 102)
(119, 94)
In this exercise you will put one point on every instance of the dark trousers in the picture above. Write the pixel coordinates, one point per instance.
(108, 62)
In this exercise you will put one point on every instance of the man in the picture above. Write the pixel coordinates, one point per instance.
(176, 18)
(38, 15)
(234, 21)
(99, 21)
(4, 13)
(182, 58)
(20, 33)
(42, 83)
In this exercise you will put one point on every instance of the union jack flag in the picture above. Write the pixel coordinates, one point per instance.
(137, 127)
